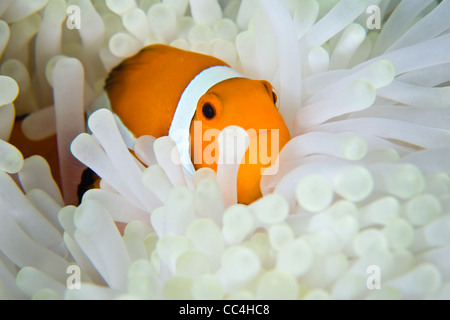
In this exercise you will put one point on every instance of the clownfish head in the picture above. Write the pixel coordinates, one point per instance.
(251, 105)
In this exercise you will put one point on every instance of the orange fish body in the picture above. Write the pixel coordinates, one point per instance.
(150, 91)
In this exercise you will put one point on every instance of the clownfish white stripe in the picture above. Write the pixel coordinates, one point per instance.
(187, 105)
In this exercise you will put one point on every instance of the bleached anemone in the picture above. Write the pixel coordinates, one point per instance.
(358, 208)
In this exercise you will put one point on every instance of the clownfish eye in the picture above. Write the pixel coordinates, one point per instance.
(208, 111)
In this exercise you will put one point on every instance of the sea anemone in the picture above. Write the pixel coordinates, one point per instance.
(356, 207)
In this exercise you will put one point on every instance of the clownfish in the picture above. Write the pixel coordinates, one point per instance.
(162, 90)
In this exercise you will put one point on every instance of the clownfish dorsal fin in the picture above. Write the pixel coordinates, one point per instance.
(117, 72)
(109, 81)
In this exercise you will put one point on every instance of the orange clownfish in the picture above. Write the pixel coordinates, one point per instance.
(163, 89)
